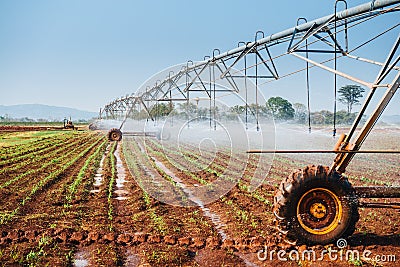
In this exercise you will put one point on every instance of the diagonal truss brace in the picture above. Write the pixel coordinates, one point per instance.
(196, 77)
(344, 75)
(311, 31)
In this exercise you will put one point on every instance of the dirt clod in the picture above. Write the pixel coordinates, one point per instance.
(198, 242)
(62, 236)
(184, 241)
(154, 239)
(93, 237)
(170, 240)
(77, 237)
(15, 235)
(302, 248)
(110, 237)
(31, 235)
(139, 237)
(241, 244)
(5, 241)
(228, 244)
(124, 239)
(213, 242)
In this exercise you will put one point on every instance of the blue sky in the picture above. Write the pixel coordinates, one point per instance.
(82, 54)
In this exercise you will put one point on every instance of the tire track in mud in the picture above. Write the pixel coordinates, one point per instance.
(95, 237)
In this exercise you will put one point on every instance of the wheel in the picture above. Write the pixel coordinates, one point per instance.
(93, 126)
(114, 134)
(315, 207)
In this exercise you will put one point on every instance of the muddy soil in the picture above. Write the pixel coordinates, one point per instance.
(112, 221)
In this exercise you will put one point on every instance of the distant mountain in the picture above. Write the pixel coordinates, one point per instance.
(391, 119)
(51, 113)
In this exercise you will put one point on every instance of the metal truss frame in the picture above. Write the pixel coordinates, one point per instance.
(177, 87)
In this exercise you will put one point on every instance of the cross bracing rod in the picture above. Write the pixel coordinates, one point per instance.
(343, 160)
(323, 151)
(369, 85)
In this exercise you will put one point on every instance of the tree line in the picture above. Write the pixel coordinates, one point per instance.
(277, 107)
(282, 110)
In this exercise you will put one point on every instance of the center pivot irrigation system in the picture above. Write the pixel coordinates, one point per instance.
(316, 204)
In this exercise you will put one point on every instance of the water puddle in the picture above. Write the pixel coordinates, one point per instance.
(215, 219)
(141, 148)
(120, 181)
(132, 260)
(98, 177)
(149, 173)
(81, 259)
(168, 172)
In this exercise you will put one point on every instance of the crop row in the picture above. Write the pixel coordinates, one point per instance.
(7, 216)
(189, 221)
(256, 167)
(166, 177)
(216, 168)
(131, 153)
(111, 181)
(43, 155)
(246, 211)
(9, 159)
(49, 163)
(177, 165)
(82, 172)
(237, 205)
(36, 144)
(195, 160)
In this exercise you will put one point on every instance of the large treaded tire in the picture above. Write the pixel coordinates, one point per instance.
(310, 184)
(114, 134)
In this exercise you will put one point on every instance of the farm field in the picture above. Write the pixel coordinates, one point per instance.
(72, 198)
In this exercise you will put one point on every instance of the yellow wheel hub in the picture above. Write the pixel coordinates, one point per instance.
(319, 211)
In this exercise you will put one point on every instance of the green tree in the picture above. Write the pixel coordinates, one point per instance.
(326, 117)
(280, 108)
(350, 94)
(237, 109)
